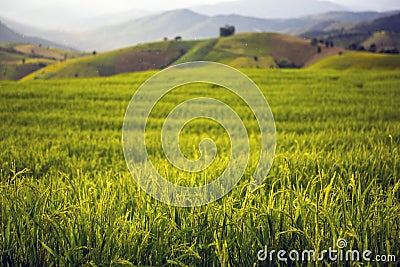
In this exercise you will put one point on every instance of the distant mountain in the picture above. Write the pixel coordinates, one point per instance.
(389, 23)
(77, 24)
(150, 28)
(338, 20)
(192, 25)
(183, 22)
(381, 33)
(65, 39)
(108, 19)
(269, 8)
(8, 35)
(354, 17)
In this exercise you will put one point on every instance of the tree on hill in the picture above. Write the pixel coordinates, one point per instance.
(228, 30)
(372, 48)
(390, 51)
(361, 48)
(314, 41)
(353, 46)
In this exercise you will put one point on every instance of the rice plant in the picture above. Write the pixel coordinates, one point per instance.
(67, 197)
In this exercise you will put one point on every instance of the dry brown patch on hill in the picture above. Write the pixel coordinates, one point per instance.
(290, 51)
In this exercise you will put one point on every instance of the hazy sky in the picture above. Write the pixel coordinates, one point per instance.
(99, 6)
(379, 5)
(108, 6)
(37, 12)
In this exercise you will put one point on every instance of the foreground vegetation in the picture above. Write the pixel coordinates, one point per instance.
(67, 197)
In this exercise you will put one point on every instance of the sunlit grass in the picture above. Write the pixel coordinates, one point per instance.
(67, 197)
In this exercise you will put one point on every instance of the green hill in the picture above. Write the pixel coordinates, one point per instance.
(20, 59)
(359, 60)
(247, 50)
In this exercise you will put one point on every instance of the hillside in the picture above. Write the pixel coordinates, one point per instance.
(384, 41)
(359, 60)
(21, 54)
(20, 59)
(247, 50)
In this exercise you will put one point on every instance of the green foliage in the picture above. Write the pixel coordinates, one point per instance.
(67, 197)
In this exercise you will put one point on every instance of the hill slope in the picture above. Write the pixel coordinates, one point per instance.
(359, 60)
(19, 59)
(254, 50)
(384, 41)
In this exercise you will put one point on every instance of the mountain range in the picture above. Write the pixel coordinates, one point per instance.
(189, 25)
(8, 35)
(269, 8)
(379, 35)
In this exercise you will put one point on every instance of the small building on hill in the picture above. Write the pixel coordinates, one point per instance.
(228, 30)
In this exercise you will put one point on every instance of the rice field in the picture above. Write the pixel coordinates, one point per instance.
(67, 197)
